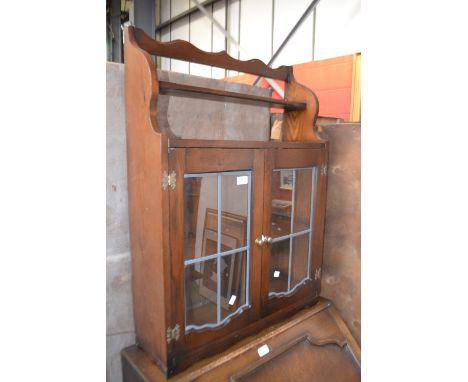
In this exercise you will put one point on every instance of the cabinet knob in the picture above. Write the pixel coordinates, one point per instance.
(263, 239)
(260, 240)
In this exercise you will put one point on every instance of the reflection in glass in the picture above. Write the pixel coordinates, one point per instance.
(302, 191)
(233, 273)
(200, 226)
(300, 250)
(279, 266)
(281, 191)
(234, 195)
(200, 286)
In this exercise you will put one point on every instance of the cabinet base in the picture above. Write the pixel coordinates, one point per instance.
(316, 337)
(178, 362)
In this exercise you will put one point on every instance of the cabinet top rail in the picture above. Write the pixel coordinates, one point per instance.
(183, 50)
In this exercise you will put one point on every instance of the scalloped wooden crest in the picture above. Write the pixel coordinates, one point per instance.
(183, 50)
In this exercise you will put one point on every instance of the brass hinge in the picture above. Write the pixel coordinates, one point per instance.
(169, 180)
(172, 333)
(318, 273)
(324, 169)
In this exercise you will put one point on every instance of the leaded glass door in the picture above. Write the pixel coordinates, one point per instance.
(215, 265)
(216, 247)
(293, 197)
(291, 240)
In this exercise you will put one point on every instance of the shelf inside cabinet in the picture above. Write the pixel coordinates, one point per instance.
(175, 89)
(236, 144)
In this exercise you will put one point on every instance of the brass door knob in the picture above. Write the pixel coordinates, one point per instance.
(263, 239)
(260, 240)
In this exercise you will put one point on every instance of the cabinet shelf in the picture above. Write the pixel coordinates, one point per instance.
(199, 143)
(181, 90)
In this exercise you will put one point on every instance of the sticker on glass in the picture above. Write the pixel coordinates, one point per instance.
(242, 180)
(276, 273)
(263, 350)
(232, 300)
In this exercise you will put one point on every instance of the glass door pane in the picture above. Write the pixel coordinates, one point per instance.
(233, 285)
(200, 225)
(293, 195)
(299, 259)
(279, 266)
(282, 203)
(302, 199)
(201, 281)
(216, 248)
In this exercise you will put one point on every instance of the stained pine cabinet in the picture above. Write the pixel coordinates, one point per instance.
(226, 236)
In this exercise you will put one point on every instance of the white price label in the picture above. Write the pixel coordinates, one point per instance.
(263, 350)
(242, 180)
(232, 300)
(276, 273)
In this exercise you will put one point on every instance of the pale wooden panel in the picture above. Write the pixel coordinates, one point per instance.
(180, 30)
(299, 47)
(219, 40)
(255, 29)
(233, 17)
(165, 36)
(200, 36)
(337, 29)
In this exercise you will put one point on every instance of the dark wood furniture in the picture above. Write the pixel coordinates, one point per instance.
(314, 345)
(199, 285)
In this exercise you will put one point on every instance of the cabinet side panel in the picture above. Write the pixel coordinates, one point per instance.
(146, 156)
(300, 125)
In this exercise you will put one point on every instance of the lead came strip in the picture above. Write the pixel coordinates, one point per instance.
(279, 294)
(276, 239)
(214, 256)
(247, 273)
(212, 326)
(312, 212)
(218, 261)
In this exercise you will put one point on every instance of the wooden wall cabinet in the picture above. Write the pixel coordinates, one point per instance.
(226, 236)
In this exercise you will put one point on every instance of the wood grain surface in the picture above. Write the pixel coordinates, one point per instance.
(157, 212)
(183, 50)
(314, 345)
